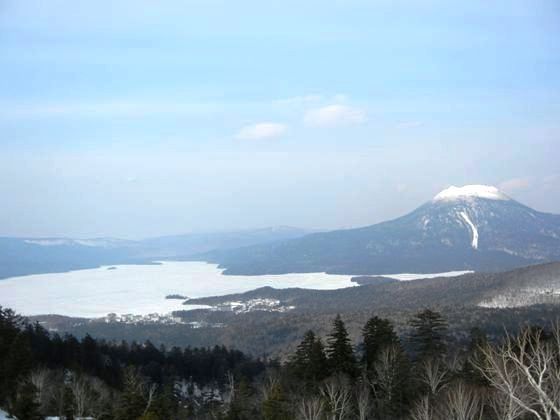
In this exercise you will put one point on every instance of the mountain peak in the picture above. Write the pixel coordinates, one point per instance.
(471, 191)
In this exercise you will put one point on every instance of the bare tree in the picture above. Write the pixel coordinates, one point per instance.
(271, 382)
(150, 392)
(363, 400)
(42, 380)
(102, 398)
(526, 369)
(386, 378)
(310, 408)
(79, 386)
(504, 406)
(462, 402)
(231, 387)
(337, 392)
(434, 374)
(422, 410)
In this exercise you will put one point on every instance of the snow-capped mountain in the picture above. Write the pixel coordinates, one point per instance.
(475, 227)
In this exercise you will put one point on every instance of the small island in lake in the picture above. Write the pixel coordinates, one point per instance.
(177, 296)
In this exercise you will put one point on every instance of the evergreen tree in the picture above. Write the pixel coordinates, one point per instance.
(339, 350)
(378, 333)
(18, 363)
(26, 406)
(68, 403)
(132, 403)
(310, 362)
(240, 408)
(470, 373)
(429, 334)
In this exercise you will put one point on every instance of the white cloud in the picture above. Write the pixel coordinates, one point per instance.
(260, 131)
(332, 115)
(515, 184)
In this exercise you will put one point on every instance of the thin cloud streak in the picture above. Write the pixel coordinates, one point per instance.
(261, 131)
(335, 115)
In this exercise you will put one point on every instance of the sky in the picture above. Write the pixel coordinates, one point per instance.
(135, 118)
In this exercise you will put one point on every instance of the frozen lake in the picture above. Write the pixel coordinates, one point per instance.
(140, 289)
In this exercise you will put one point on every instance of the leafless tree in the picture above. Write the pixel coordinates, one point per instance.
(102, 397)
(231, 387)
(338, 393)
(58, 378)
(423, 410)
(271, 382)
(434, 373)
(42, 379)
(386, 377)
(311, 408)
(504, 406)
(462, 402)
(526, 369)
(79, 386)
(363, 400)
(150, 392)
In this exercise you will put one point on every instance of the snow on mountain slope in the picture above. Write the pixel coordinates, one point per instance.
(473, 228)
(471, 191)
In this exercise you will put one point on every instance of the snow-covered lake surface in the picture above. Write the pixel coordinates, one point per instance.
(141, 289)
(413, 276)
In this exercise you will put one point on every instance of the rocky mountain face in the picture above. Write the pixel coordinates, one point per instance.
(469, 228)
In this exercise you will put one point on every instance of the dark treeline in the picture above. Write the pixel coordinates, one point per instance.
(386, 376)
(32, 359)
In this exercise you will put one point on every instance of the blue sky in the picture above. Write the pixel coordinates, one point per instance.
(141, 118)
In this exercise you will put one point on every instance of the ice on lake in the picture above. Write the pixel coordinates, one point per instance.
(140, 289)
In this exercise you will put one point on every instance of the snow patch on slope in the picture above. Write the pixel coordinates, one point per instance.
(96, 243)
(419, 276)
(465, 217)
(471, 191)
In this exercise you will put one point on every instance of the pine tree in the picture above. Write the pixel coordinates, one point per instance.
(68, 403)
(310, 362)
(470, 373)
(18, 363)
(378, 333)
(240, 408)
(429, 334)
(132, 403)
(26, 406)
(339, 350)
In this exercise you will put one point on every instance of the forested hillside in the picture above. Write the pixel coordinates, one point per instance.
(422, 374)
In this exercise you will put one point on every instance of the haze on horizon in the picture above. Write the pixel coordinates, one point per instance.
(136, 118)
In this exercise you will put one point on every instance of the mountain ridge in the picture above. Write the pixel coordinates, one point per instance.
(462, 232)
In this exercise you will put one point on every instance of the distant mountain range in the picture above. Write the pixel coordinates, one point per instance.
(475, 227)
(22, 256)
